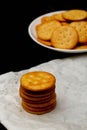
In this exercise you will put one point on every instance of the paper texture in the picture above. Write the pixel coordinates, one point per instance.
(71, 89)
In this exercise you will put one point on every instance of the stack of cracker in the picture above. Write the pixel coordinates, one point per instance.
(37, 90)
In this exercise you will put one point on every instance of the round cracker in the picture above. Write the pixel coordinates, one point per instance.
(36, 94)
(38, 81)
(81, 27)
(75, 14)
(46, 19)
(44, 42)
(59, 17)
(45, 30)
(41, 104)
(81, 47)
(65, 37)
(39, 112)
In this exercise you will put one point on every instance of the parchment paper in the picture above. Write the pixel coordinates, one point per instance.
(71, 89)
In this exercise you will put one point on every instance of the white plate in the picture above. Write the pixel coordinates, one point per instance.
(32, 33)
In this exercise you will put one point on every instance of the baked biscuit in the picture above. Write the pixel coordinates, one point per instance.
(37, 99)
(39, 111)
(45, 30)
(45, 42)
(37, 81)
(65, 37)
(81, 47)
(59, 17)
(75, 14)
(41, 104)
(46, 19)
(64, 23)
(37, 94)
(81, 27)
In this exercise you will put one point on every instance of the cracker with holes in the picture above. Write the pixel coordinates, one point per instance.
(45, 30)
(75, 14)
(81, 27)
(81, 47)
(45, 42)
(59, 17)
(65, 37)
(47, 19)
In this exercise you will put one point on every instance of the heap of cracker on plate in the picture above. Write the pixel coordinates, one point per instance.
(64, 30)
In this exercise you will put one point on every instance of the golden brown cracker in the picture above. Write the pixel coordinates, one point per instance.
(45, 30)
(65, 37)
(81, 47)
(41, 104)
(47, 19)
(37, 94)
(38, 111)
(81, 27)
(38, 81)
(75, 14)
(59, 17)
(44, 42)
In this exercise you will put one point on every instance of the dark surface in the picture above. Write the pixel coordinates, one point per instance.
(17, 50)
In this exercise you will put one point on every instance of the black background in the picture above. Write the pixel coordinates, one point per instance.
(17, 50)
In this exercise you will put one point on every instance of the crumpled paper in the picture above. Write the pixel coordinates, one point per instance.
(71, 89)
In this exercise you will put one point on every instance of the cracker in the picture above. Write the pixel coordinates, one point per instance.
(39, 112)
(37, 81)
(47, 19)
(81, 27)
(45, 42)
(59, 17)
(64, 23)
(37, 99)
(81, 47)
(36, 94)
(41, 104)
(75, 14)
(45, 30)
(65, 37)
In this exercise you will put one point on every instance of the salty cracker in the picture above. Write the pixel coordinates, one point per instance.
(36, 94)
(75, 14)
(81, 47)
(45, 42)
(56, 16)
(34, 99)
(38, 81)
(81, 27)
(40, 111)
(41, 104)
(59, 17)
(64, 23)
(47, 19)
(45, 30)
(37, 100)
(65, 37)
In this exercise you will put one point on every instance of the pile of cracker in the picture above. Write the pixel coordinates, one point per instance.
(64, 30)
(37, 91)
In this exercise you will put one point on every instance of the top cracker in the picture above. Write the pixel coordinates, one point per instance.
(38, 81)
(75, 14)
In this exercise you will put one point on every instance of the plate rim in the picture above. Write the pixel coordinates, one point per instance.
(37, 20)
